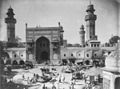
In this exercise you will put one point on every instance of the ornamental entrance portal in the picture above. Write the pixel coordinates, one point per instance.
(117, 83)
(42, 50)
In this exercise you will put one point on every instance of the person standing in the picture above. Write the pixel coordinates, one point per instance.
(63, 79)
(53, 87)
(23, 76)
(59, 78)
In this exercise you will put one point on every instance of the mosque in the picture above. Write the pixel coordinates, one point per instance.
(46, 44)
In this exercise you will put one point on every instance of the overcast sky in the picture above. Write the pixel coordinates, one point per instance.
(70, 13)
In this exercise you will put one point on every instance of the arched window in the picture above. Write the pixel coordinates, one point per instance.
(15, 62)
(64, 55)
(21, 62)
(97, 45)
(91, 45)
(87, 62)
(71, 54)
(87, 55)
(90, 36)
(95, 55)
(15, 55)
(21, 55)
(109, 52)
(94, 45)
(64, 61)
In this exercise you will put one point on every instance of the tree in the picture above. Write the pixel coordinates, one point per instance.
(18, 42)
(69, 45)
(76, 45)
(114, 40)
(17, 39)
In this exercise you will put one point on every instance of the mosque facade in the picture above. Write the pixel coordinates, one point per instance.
(44, 43)
(47, 43)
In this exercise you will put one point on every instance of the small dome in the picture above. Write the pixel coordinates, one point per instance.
(10, 12)
(112, 62)
(90, 8)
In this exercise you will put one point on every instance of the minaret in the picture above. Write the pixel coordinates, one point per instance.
(10, 21)
(90, 19)
(82, 35)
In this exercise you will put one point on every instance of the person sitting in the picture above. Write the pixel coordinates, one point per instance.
(53, 87)
(23, 77)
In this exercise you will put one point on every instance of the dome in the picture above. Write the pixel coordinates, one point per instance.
(112, 62)
(90, 8)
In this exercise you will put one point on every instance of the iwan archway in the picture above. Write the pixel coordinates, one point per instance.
(42, 50)
(117, 83)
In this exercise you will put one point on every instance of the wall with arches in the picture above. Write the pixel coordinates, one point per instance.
(17, 54)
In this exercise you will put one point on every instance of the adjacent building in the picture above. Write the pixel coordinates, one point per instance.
(12, 52)
(111, 73)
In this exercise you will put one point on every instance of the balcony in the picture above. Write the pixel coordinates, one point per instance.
(55, 43)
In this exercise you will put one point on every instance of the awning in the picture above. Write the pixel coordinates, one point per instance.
(78, 61)
(93, 71)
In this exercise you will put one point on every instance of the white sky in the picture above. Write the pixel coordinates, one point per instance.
(70, 13)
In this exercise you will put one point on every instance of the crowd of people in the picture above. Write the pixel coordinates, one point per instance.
(49, 74)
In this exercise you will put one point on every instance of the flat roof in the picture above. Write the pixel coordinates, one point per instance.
(16, 49)
(44, 28)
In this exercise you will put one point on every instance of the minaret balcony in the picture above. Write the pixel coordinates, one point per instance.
(10, 20)
(55, 47)
(55, 41)
(82, 32)
(90, 17)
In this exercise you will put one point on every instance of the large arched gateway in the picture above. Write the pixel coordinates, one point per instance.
(117, 83)
(43, 44)
(42, 50)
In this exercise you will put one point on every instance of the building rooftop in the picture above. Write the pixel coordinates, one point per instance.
(92, 41)
(45, 28)
(16, 48)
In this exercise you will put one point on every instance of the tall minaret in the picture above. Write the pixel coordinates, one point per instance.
(82, 35)
(90, 19)
(10, 21)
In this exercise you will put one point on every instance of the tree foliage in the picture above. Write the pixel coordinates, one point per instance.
(17, 39)
(69, 45)
(114, 39)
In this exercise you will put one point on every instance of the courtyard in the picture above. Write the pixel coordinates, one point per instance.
(58, 77)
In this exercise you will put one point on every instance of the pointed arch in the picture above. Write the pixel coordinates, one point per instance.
(117, 83)
(42, 49)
